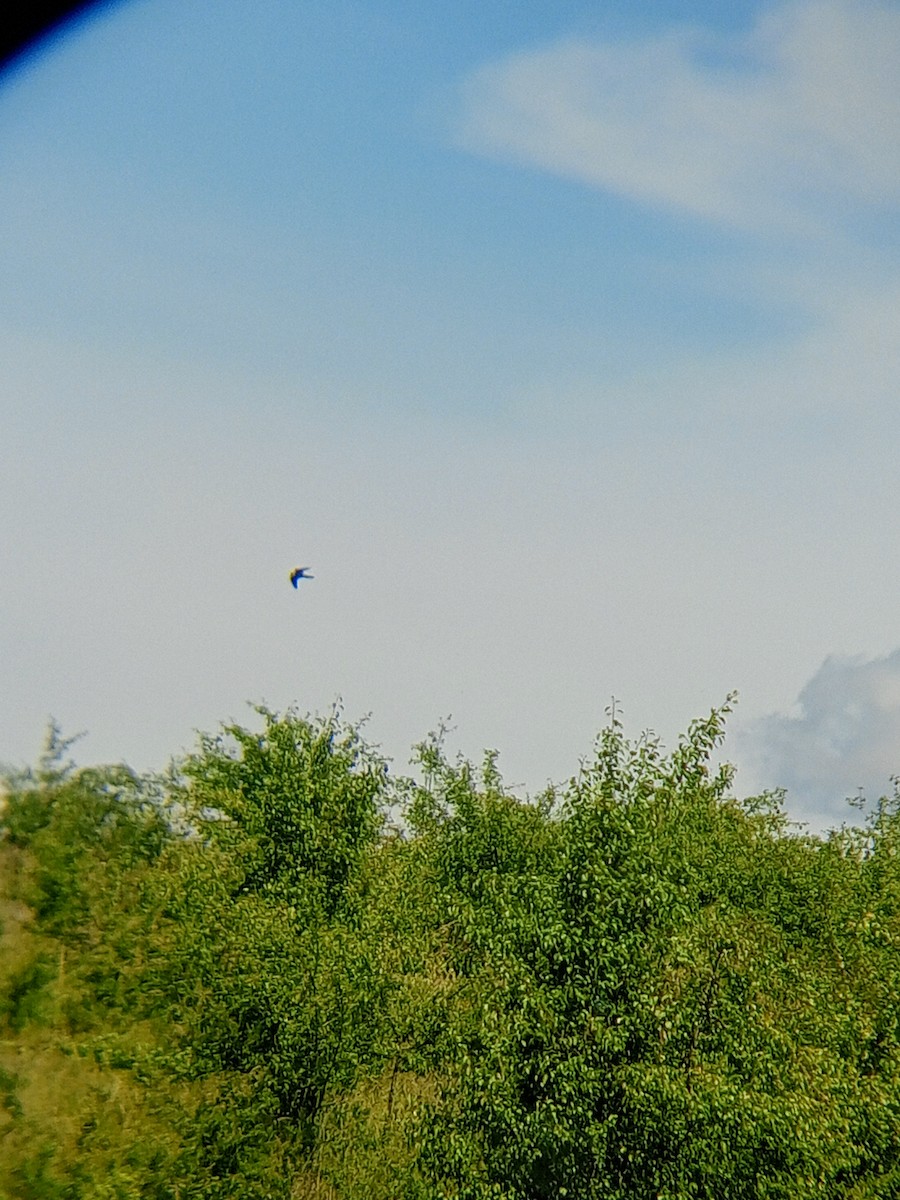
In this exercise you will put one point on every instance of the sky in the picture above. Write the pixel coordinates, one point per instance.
(560, 342)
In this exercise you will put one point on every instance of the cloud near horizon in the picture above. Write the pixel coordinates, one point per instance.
(780, 129)
(842, 741)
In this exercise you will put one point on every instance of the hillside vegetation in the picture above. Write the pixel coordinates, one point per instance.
(280, 972)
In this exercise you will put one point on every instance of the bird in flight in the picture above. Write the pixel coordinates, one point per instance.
(299, 573)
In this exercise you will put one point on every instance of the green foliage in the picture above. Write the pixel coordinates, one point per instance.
(271, 977)
(668, 1007)
(296, 805)
(25, 995)
(81, 828)
(29, 795)
(635, 987)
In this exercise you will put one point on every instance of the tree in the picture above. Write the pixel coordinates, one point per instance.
(271, 974)
(682, 1008)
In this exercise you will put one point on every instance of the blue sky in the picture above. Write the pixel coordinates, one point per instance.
(562, 342)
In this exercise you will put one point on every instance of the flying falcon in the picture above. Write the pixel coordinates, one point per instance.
(299, 573)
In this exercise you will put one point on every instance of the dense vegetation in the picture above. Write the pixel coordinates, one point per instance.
(278, 972)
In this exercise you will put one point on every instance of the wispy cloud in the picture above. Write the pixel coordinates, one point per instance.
(778, 130)
(843, 738)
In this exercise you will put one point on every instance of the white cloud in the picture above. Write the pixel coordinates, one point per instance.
(778, 129)
(843, 737)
